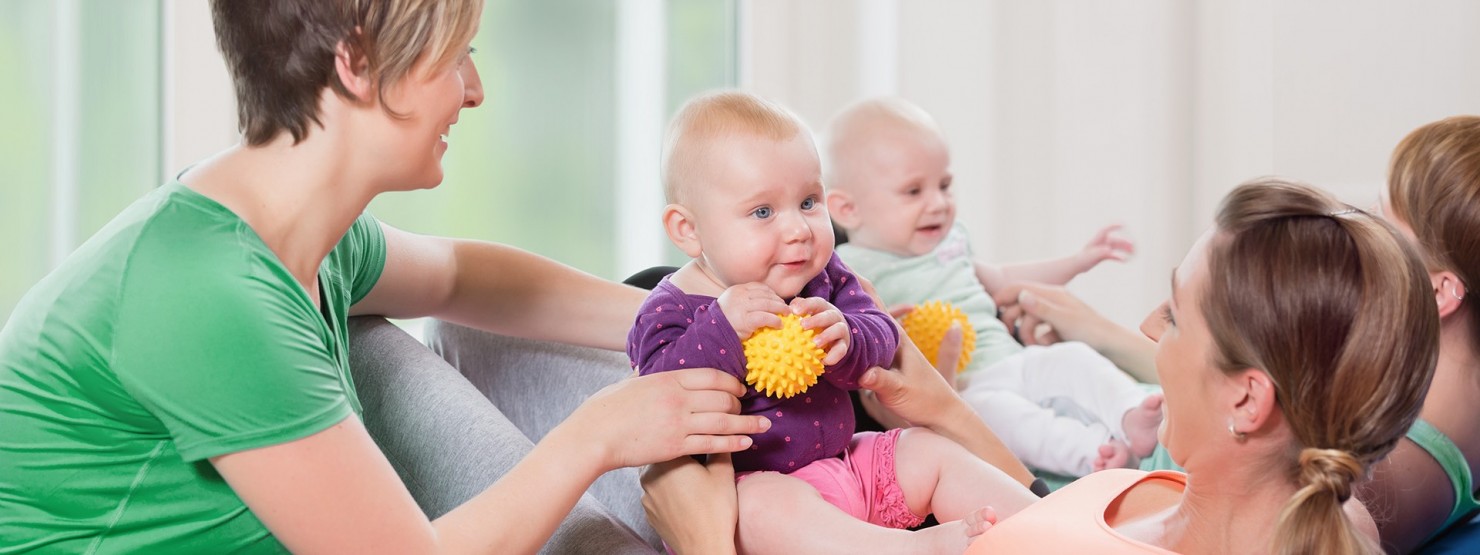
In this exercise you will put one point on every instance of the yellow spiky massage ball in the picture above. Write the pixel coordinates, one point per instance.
(927, 324)
(782, 362)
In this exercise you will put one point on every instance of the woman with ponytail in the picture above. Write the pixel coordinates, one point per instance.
(1295, 351)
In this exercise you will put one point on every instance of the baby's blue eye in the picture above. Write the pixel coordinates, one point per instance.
(809, 203)
(762, 212)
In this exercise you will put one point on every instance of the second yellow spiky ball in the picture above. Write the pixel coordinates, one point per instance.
(782, 362)
(927, 324)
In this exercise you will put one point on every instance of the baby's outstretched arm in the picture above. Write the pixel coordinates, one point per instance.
(1107, 244)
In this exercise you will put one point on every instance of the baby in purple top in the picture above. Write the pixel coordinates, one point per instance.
(743, 182)
(678, 330)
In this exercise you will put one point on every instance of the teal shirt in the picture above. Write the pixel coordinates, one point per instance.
(1449, 457)
(172, 336)
(944, 274)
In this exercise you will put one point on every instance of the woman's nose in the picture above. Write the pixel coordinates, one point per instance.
(472, 85)
(1153, 325)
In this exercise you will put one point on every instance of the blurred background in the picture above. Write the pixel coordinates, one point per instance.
(1063, 115)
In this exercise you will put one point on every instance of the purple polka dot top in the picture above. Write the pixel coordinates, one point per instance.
(676, 330)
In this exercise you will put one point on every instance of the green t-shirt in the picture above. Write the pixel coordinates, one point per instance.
(172, 336)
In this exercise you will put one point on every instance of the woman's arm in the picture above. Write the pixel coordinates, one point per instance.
(915, 391)
(334, 491)
(918, 393)
(500, 289)
(1409, 496)
(1027, 305)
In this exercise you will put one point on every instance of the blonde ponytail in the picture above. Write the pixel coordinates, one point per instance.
(1313, 520)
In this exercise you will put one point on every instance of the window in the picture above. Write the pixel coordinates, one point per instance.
(540, 166)
(80, 99)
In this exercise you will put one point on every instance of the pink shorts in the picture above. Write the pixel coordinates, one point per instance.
(862, 483)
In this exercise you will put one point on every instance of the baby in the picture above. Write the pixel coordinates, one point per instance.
(743, 180)
(1064, 409)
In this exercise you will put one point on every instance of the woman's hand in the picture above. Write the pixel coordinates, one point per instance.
(1029, 305)
(664, 416)
(951, 345)
(915, 391)
(692, 505)
(912, 391)
(1046, 314)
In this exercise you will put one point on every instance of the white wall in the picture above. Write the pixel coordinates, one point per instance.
(1068, 114)
(199, 105)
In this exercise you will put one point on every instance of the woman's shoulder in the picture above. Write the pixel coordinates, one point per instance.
(184, 253)
(1074, 518)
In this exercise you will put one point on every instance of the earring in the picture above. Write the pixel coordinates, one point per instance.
(1453, 294)
(1240, 436)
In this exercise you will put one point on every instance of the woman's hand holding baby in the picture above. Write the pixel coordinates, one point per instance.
(828, 322)
(751, 306)
(1046, 314)
(661, 417)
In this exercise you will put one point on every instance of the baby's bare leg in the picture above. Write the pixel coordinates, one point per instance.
(783, 514)
(939, 476)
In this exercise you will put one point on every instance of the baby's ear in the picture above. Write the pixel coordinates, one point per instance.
(679, 223)
(842, 209)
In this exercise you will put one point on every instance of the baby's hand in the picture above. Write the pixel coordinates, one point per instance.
(1107, 245)
(751, 306)
(828, 322)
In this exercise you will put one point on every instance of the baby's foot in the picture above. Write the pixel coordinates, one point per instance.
(1113, 454)
(978, 522)
(953, 537)
(1140, 425)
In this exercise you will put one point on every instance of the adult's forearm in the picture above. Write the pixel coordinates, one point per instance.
(961, 425)
(519, 512)
(513, 292)
(1131, 351)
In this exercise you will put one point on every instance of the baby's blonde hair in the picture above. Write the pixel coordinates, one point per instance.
(713, 116)
(856, 126)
